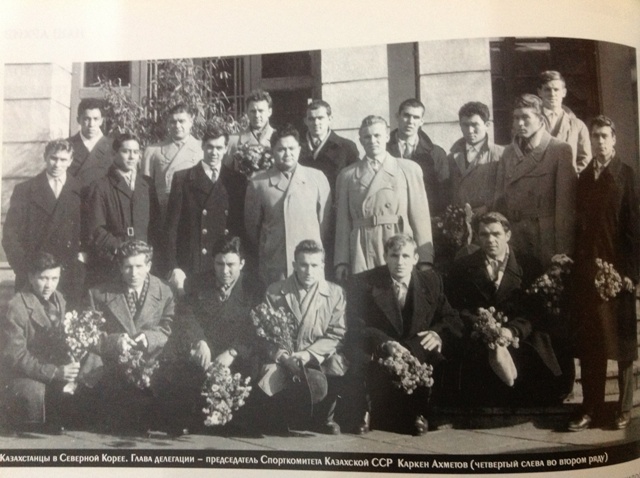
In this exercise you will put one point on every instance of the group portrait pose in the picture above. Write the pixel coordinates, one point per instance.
(275, 279)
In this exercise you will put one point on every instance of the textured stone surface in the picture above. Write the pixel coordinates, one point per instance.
(352, 101)
(471, 54)
(354, 64)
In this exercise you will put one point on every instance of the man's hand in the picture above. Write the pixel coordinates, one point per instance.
(430, 340)
(225, 359)
(291, 363)
(141, 341)
(70, 371)
(628, 284)
(342, 272)
(303, 356)
(125, 343)
(176, 281)
(392, 346)
(201, 354)
(507, 333)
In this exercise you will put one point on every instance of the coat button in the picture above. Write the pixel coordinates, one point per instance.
(204, 212)
(204, 232)
(204, 252)
(226, 231)
(388, 205)
(226, 212)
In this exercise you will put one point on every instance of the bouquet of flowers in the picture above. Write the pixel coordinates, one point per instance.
(407, 370)
(276, 326)
(455, 226)
(137, 369)
(81, 332)
(250, 158)
(608, 281)
(225, 393)
(488, 329)
(550, 285)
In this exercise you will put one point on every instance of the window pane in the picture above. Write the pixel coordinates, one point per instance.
(280, 65)
(110, 70)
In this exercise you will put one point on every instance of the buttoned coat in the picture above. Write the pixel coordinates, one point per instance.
(321, 331)
(537, 193)
(279, 214)
(572, 130)
(115, 214)
(161, 161)
(474, 183)
(395, 201)
(432, 159)
(608, 227)
(197, 217)
(38, 222)
(247, 137)
(89, 166)
(29, 353)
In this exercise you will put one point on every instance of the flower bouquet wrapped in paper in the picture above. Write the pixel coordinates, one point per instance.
(608, 281)
(488, 329)
(407, 371)
(137, 369)
(550, 285)
(250, 158)
(81, 333)
(225, 393)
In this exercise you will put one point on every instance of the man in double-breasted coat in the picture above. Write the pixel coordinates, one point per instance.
(180, 150)
(608, 228)
(120, 206)
(536, 186)
(285, 205)
(378, 197)
(41, 218)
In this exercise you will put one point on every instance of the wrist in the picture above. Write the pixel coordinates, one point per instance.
(233, 352)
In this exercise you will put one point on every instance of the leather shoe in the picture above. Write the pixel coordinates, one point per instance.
(420, 426)
(328, 428)
(580, 423)
(365, 426)
(622, 420)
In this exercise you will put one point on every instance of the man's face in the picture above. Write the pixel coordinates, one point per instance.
(57, 163)
(259, 113)
(602, 141)
(552, 94)
(214, 150)
(309, 268)
(227, 268)
(90, 122)
(45, 283)
(374, 139)
(401, 261)
(526, 122)
(286, 153)
(318, 122)
(127, 156)
(474, 129)
(179, 125)
(493, 239)
(410, 120)
(134, 270)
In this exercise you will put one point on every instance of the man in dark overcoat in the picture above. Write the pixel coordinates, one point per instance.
(44, 215)
(120, 206)
(608, 228)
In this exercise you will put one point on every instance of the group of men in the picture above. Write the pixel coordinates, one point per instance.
(94, 219)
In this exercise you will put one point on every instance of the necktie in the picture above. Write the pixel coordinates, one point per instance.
(375, 165)
(401, 293)
(132, 302)
(525, 145)
(494, 269)
(407, 150)
(316, 143)
(214, 175)
(57, 183)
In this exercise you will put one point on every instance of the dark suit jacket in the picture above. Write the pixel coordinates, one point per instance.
(36, 222)
(197, 217)
(113, 210)
(375, 315)
(89, 166)
(433, 161)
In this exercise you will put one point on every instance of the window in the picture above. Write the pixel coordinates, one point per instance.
(117, 71)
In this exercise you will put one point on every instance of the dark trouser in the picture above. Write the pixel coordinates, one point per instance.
(594, 376)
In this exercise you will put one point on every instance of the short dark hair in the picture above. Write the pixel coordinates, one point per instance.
(492, 217)
(411, 103)
(42, 261)
(91, 104)
(317, 104)
(58, 145)
(398, 241)
(259, 95)
(601, 121)
(228, 245)
(550, 75)
(214, 132)
(288, 130)
(475, 108)
(180, 108)
(133, 248)
(529, 101)
(308, 246)
(122, 137)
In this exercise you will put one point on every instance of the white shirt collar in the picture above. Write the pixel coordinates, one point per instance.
(90, 143)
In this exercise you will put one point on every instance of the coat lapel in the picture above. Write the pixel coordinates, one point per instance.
(35, 309)
(421, 303)
(117, 304)
(384, 178)
(511, 279)
(479, 277)
(150, 306)
(385, 299)
(42, 193)
(289, 292)
(529, 162)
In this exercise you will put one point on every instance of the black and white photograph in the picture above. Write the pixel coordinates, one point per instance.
(408, 251)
